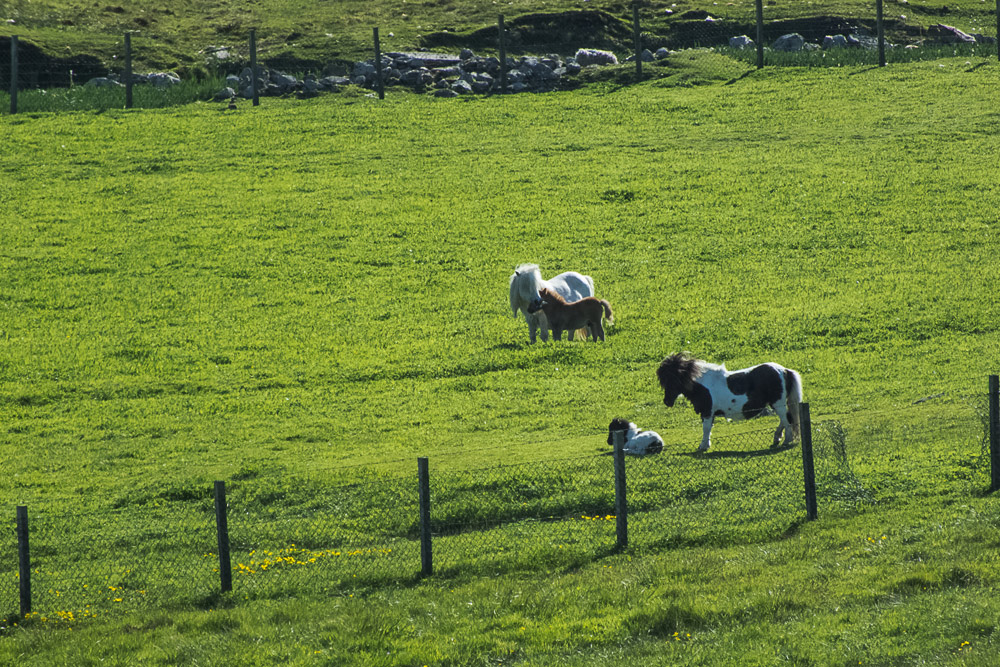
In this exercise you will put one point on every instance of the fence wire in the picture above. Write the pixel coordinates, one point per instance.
(62, 77)
(319, 534)
(87, 565)
(322, 536)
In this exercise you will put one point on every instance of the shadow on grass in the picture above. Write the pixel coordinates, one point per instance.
(737, 454)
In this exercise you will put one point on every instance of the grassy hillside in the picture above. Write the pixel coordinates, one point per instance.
(280, 292)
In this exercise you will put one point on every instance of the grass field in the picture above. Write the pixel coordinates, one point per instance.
(296, 291)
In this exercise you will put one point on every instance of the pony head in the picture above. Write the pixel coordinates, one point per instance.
(535, 305)
(524, 285)
(677, 374)
(550, 296)
(617, 424)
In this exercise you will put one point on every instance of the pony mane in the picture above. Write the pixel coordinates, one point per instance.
(550, 295)
(685, 369)
(618, 424)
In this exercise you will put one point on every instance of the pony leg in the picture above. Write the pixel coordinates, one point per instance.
(706, 434)
(596, 331)
(782, 411)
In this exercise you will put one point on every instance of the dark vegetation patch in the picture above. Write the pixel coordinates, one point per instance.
(37, 69)
(559, 32)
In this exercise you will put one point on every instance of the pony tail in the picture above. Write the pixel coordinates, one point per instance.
(607, 311)
(793, 393)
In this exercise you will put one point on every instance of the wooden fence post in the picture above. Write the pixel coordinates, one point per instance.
(994, 400)
(23, 559)
(128, 70)
(253, 67)
(808, 471)
(222, 531)
(880, 28)
(638, 40)
(424, 483)
(379, 86)
(760, 33)
(13, 73)
(503, 53)
(621, 501)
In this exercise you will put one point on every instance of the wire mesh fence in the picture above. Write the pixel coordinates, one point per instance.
(331, 531)
(324, 536)
(86, 565)
(536, 51)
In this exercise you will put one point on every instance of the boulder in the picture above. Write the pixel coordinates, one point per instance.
(741, 42)
(586, 57)
(790, 42)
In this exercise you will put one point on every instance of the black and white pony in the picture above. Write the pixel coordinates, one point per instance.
(525, 284)
(744, 394)
(637, 443)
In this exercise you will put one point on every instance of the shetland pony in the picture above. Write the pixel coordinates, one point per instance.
(526, 282)
(637, 443)
(744, 394)
(565, 316)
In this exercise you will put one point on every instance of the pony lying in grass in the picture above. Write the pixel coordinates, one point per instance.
(744, 394)
(525, 284)
(569, 316)
(637, 443)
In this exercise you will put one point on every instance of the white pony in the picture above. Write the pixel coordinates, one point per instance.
(525, 284)
(637, 443)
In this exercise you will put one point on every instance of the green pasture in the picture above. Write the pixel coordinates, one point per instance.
(308, 295)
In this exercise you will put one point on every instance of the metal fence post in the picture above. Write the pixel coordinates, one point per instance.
(760, 33)
(808, 471)
(880, 28)
(424, 482)
(253, 67)
(128, 70)
(222, 531)
(994, 400)
(503, 53)
(621, 502)
(638, 41)
(23, 559)
(13, 73)
(379, 86)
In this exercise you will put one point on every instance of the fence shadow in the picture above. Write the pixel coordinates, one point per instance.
(738, 454)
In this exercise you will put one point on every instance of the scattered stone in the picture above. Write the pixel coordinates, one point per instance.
(834, 42)
(789, 43)
(741, 42)
(586, 57)
(950, 35)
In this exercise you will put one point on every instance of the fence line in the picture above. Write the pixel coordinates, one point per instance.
(388, 528)
(711, 33)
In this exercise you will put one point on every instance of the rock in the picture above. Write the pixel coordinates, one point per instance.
(163, 79)
(741, 42)
(949, 34)
(834, 42)
(789, 43)
(224, 94)
(586, 57)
